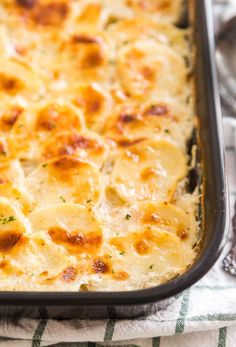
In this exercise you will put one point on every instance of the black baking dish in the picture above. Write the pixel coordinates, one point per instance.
(214, 219)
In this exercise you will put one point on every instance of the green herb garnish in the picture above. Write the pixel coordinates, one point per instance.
(62, 199)
(6, 220)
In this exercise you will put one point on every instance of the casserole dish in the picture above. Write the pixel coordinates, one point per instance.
(213, 214)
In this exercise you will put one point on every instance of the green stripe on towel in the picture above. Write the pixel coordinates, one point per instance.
(222, 337)
(156, 342)
(179, 328)
(109, 330)
(36, 342)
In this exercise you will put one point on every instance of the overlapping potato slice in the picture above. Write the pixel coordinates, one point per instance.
(152, 247)
(158, 119)
(18, 79)
(4, 151)
(37, 124)
(87, 146)
(165, 10)
(49, 13)
(40, 259)
(73, 226)
(142, 259)
(155, 240)
(91, 16)
(6, 47)
(95, 104)
(149, 238)
(89, 54)
(12, 185)
(9, 113)
(141, 28)
(99, 15)
(64, 179)
(169, 218)
(12, 172)
(48, 118)
(17, 194)
(149, 170)
(147, 68)
(128, 219)
(13, 225)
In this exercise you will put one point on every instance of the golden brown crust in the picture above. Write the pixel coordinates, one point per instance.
(95, 113)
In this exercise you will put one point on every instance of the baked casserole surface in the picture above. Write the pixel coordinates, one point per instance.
(96, 113)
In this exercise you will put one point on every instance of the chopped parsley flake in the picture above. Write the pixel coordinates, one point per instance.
(113, 271)
(128, 216)
(88, 201)
(122, 253)
(151, 266)
(44, 165)
(5, 220)
(62, 199)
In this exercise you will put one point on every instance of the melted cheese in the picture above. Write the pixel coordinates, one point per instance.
(96, 110)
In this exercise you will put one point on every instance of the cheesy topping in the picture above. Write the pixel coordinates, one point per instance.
(96, 112)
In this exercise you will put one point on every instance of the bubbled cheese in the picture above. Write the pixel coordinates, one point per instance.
(96, 112)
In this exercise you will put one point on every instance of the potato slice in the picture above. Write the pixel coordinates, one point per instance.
(146, 68)
(12, 185)
(141, 28)
(13, 225)
(156, 120)
(17, 78)
(87, 146)
(164, 10)
(37, 124)
(149, 170)
(95, 104)
(64, 215)
(73, 226)
(169, 218)
(64, 179)
(41, 259)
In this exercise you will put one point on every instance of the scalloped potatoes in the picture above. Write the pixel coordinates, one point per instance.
(96, 111)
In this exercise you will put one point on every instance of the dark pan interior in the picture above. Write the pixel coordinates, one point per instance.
(214, 211)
